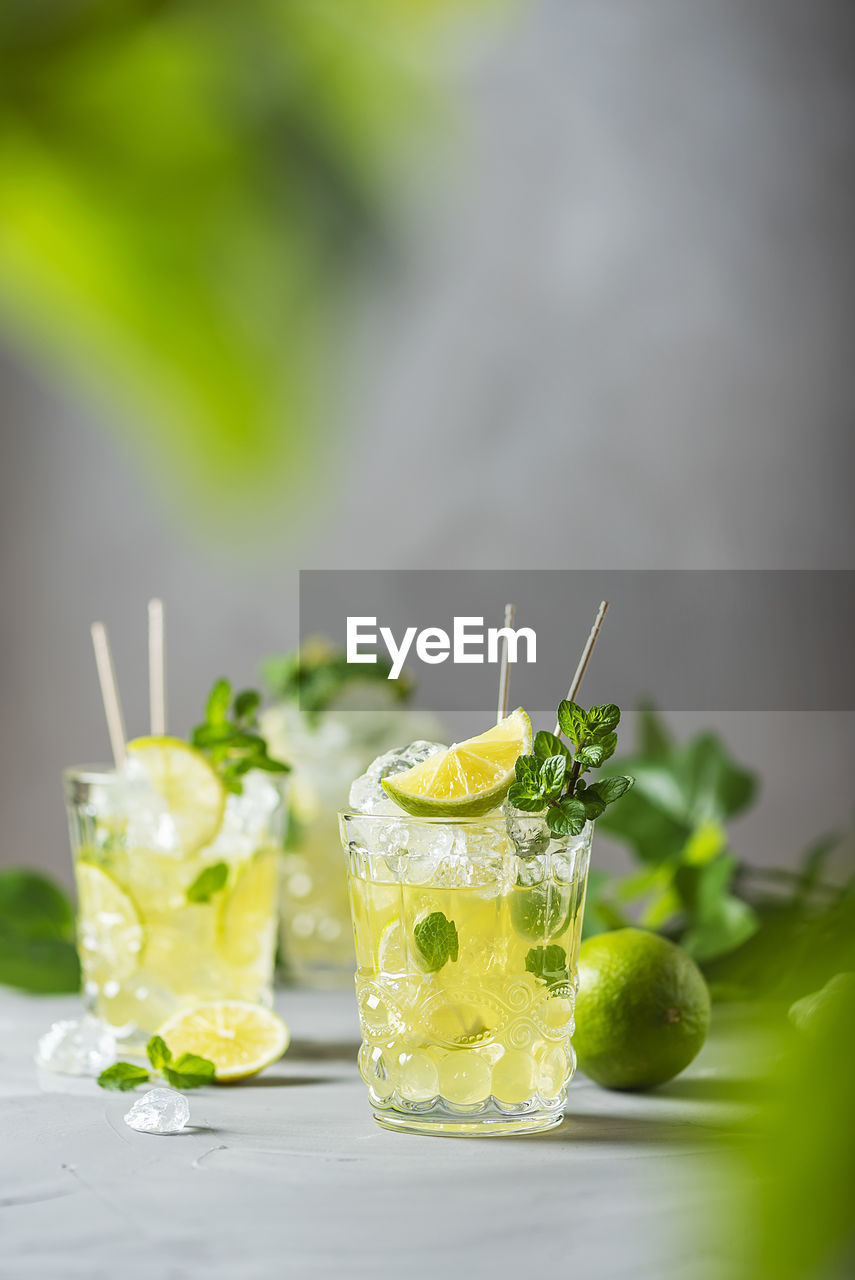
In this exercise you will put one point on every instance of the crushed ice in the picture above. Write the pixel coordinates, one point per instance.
(159, 1111)
(77, 1047)
(366, 793)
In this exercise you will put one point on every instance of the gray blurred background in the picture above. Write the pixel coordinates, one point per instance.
(621, 308)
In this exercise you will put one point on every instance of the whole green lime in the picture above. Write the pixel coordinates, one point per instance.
(642, 1011)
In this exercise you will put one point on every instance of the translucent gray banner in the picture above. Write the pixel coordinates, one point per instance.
(694, 640)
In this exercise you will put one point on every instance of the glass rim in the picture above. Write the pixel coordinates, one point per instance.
(90, 773)
(484, 819)
(437, 821)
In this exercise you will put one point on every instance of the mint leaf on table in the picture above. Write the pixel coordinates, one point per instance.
(437, 941)
(208, 882)
(158, 1052)
(189, 1071)
(549, 963)
(123, 1076)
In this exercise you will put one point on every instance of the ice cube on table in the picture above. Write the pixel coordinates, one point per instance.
(366, 793)
(77, 1047)
(159, 1111)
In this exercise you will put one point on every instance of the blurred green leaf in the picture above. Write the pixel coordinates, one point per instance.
(654, 740)
(35, 906)
(188, 195)
(36, 934)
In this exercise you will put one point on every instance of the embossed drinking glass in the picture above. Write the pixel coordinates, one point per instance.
(466, 950)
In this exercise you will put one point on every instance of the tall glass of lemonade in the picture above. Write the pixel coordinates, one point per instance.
(177, 880)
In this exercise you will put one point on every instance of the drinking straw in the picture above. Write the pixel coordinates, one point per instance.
(109, 692)
(586, 653)
(156, 668)
(504, 669)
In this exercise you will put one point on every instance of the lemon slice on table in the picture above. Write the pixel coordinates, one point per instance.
(468, 779)
(248, 916)
(193, 792)
(110, 930)
(239, 1038)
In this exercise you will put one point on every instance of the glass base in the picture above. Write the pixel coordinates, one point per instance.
(444, 1126)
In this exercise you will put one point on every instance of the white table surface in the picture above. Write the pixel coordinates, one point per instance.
(289, 1175)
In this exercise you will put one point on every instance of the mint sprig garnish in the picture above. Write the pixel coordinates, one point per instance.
(551, 777)
(187, 1071)
(229, 736)
(437, 941)
(318, 675)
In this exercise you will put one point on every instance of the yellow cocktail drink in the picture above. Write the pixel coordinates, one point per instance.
(172, 910)
(466, 946)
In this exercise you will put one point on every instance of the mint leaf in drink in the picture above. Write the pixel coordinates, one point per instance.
(611, 789)
(567, 817)
(527, 772)
(591, 757)
(318, 676)
(229, 736)
(548, 963)
(573, 721)
(437, 942)
(593, 803)
(602, 721)
(547, 744)
(122, 1076)
(208, 882)
(189, 1071)
(217, 706)
(158, 1053)
(527, 799)
(552, 776)
(246, 706)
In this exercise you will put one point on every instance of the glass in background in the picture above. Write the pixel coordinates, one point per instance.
(314, 725)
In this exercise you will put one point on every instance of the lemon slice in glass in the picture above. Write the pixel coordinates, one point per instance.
(194, 794)
(248, 917)
(239, 1038)
(468, 779)
(110, 931)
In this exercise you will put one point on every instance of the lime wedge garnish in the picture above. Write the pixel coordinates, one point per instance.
(468, 779)
(109, 927)
(193, 792)
(239, 1038)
